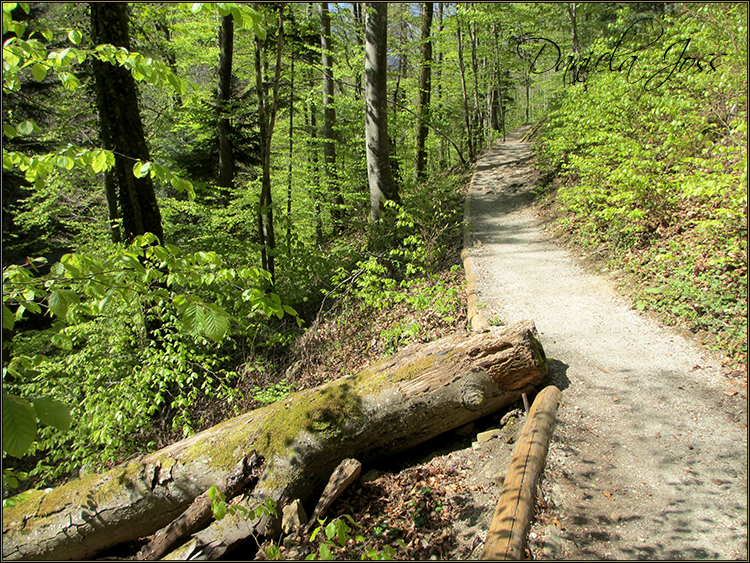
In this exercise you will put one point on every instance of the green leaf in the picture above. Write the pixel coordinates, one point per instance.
(75, 36)
(99, 163)
(9, 131)
(9, 318)
(192, 318)
(215, 324)
(62, 340)
(140, 169)
(19, 425)
(219, 509)
(39, 72)
(63, 161)
(69, 81)
(52, 412)
(58, 304)
(133, 262)
(325, 552)
(260, 31)
(26, 127)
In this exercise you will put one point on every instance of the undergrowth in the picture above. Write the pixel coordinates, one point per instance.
(364, 294)
(657, 180)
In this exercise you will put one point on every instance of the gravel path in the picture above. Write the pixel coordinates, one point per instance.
(649, 456)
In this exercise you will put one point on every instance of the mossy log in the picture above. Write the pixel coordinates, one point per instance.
(392, 406)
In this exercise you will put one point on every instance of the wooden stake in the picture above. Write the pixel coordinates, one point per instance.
(506, 539)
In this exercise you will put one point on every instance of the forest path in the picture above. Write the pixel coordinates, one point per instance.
(649, 456)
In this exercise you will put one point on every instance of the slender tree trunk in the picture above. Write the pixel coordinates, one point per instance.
(379, 175)
(571, 7)
(359, 34)
(121, 126)
(444, 152)
(462, 72)
(224, 95)
(110, 189)
(291, 156)
(527, 83)
(163, 27)
(477, 114)
(329, 119)
(312, 123)
(267, 119)
(425, 86)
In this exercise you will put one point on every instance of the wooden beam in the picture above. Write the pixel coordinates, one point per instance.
(506, 539)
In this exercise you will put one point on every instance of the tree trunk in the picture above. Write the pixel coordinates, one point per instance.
(477, 120)
(464, 93)
(121, 126)
(379, 174)
(113, 211)
(444, 160)
(223, 96)
(572, 8)
(329, 119)
(290, 178)
(386, 409)
(425, 86)
(267, 119)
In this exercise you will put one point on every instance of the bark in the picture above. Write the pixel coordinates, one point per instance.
(344, 475)
(379, 174)
(477, 113)
(120, 123)
(267, 119)
(223, 96)
(290, 178)
(464, 93)
(506, 539)
(329, 119)
(425, 87)
(389, 408)
(113, 211)
(200, 512)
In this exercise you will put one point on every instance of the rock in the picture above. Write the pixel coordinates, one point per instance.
(465, 430)
(293, 516)
(371, 475)
(499, 479)
(486, 436)
(552, 543)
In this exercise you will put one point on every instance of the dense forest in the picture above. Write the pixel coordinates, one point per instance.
(207, 206)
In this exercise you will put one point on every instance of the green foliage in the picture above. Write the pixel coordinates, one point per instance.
(657, 176)
(98, 304)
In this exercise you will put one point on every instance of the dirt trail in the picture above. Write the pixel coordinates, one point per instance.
(649, 456)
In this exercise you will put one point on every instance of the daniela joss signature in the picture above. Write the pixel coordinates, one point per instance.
(545, 55)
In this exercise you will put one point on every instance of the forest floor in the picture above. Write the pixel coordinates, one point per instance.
(649, 455)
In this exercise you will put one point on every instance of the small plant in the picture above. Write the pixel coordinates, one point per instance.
(274, 392)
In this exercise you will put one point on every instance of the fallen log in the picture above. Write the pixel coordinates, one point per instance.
(392, 406)
(200, 512)
(506, 539)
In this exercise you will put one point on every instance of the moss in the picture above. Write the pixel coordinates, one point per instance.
(118, 480)
(323, 412)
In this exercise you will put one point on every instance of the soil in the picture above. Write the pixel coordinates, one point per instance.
(648, 459)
